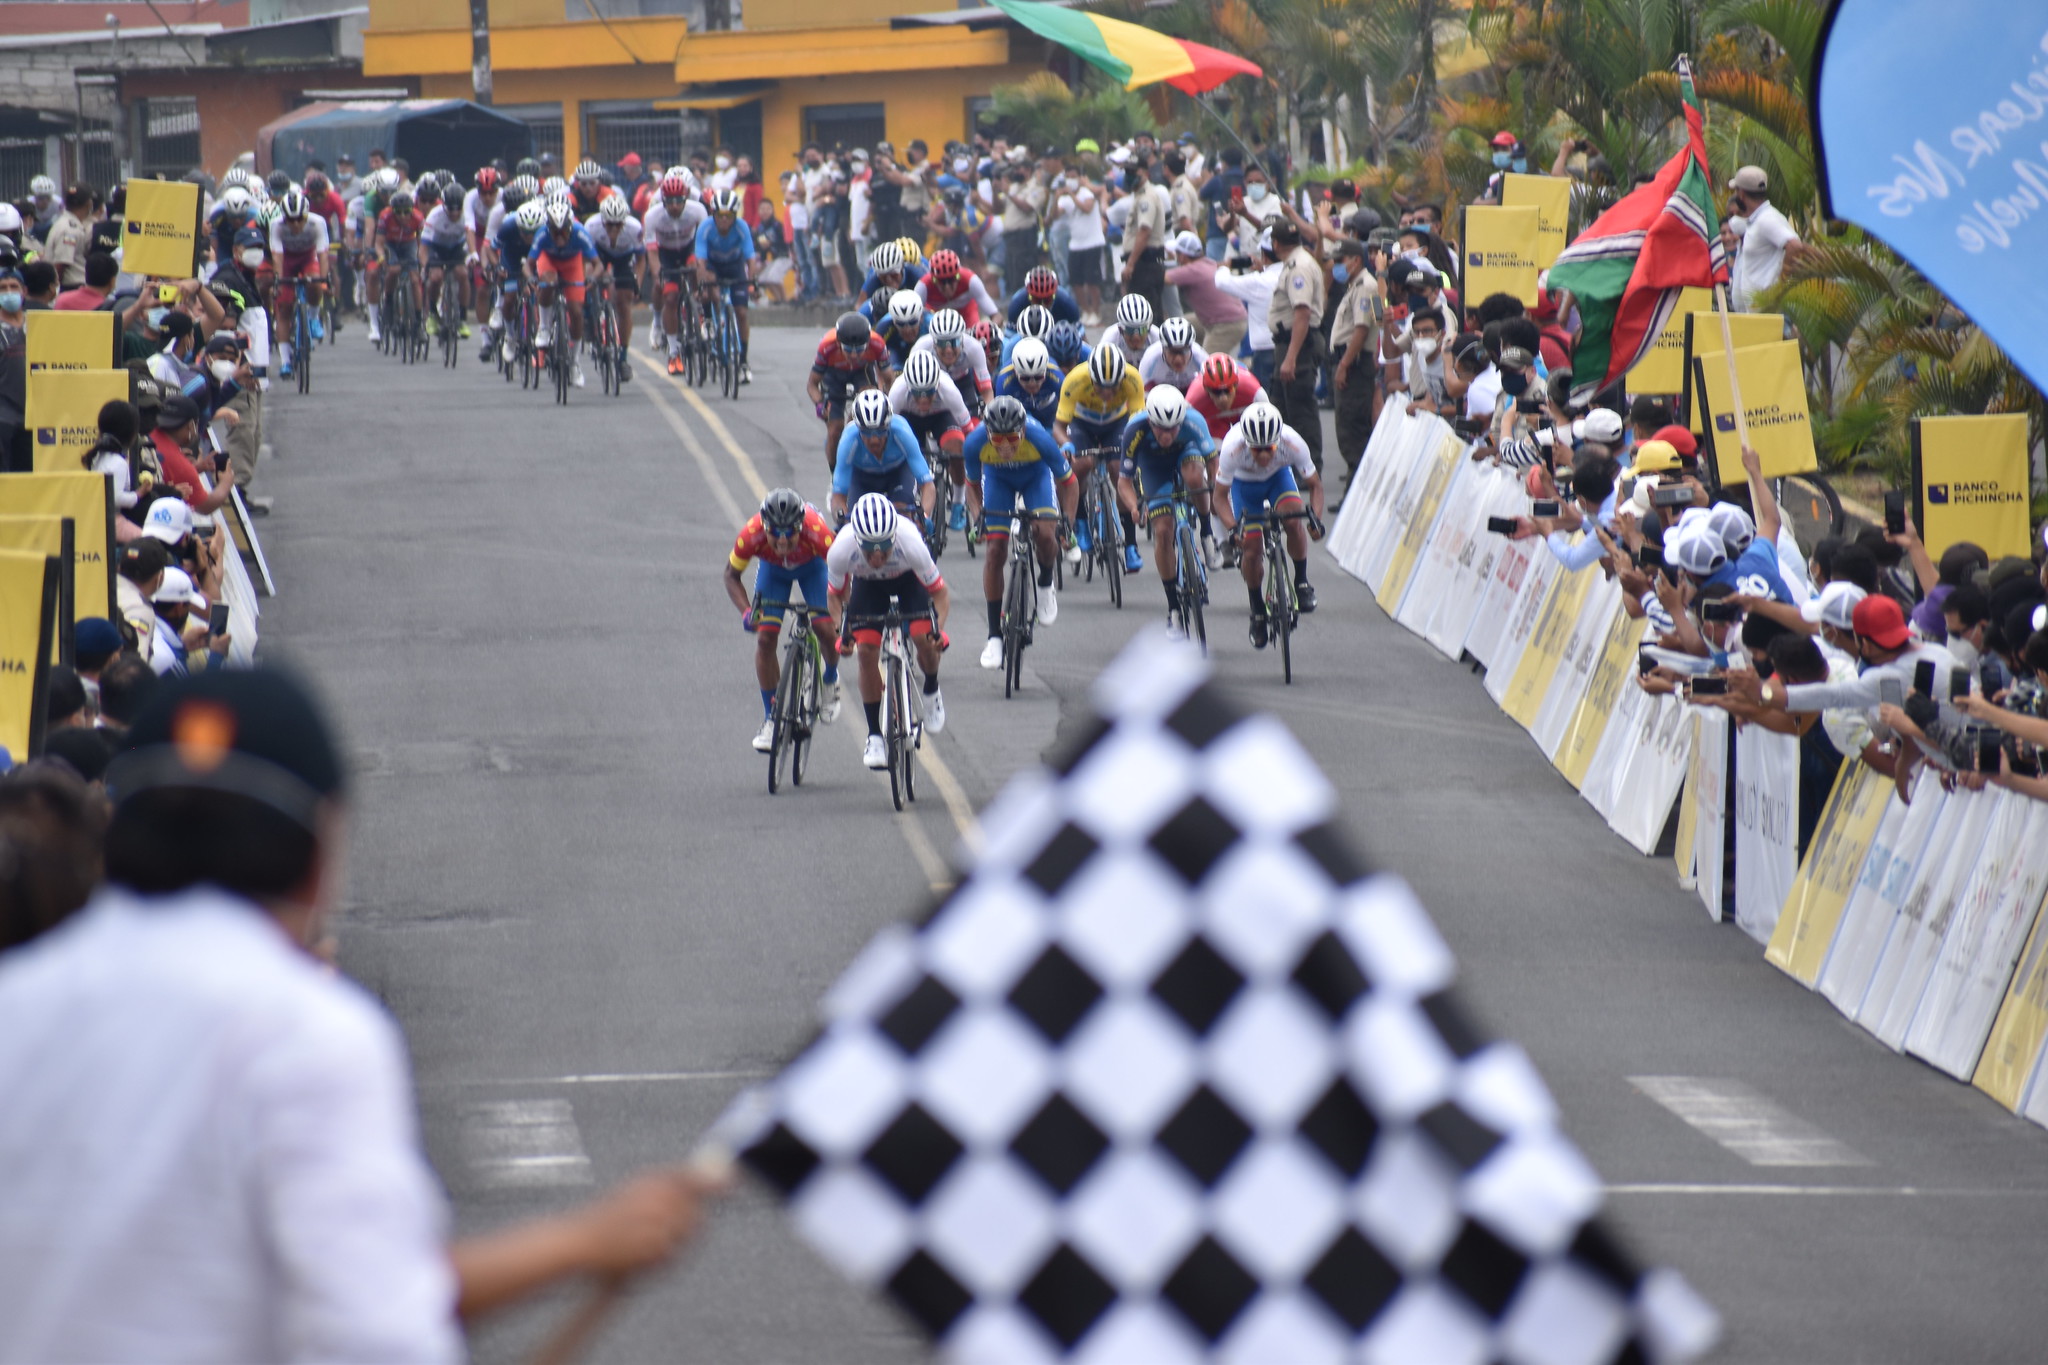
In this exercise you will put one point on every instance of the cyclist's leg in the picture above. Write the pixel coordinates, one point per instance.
(574, 292)
(870, 597)
(998, 498)
(1041, 505)
(1156, 481)
(772, 585)
(1248, 498)
(738, 295)
(814, 581)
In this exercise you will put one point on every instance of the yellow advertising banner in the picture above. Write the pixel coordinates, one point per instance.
(64, 413)
(45, 536)
(1616, 665)
(1501, 245)
(1970, 483)
(2015, 1041)
(1663, 369)
(88, 499)
(70, 341)
(1408, 553)
(1551, 197)
(27, 638)
(161, 235)
(1545, 651)
(1773, 400)
(1703, 334)
(1834, 860)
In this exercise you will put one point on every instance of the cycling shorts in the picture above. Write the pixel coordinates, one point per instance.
(673, 258)
(772, 584)
(625, 274)
(1086, 435)
(297, 263)
(735, 281)
(1154, 476)
(447, 253)
(936, 427)
(569, 270)
(897, 481)
(1004, 486)
(870, 597)
(1249, 496)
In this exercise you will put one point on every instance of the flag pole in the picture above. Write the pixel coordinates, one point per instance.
(1728, 353)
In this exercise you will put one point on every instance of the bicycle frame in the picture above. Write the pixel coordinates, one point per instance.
(902, 729)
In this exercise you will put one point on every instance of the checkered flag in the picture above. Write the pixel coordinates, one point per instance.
(1171, 1076)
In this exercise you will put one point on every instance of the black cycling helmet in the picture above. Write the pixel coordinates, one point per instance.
(782, 511)
(278, 182)
(1005, 415)
(527, 166)
(853, 331)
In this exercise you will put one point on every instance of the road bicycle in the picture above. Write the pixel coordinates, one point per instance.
(937, 525)
(794, 713)
(448, 315)
(302, 328)
(1099, 513)
(718, 329)
(405, 329)
(1020, 602)
(902, 725)
(1282, 602)
(601, 325)
(560, 350)
(1191, 573)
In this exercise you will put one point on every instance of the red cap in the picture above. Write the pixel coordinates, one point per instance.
(1878, 619)
(1503, 139)
(630, 159)
(1684, 442)
(1546, 304)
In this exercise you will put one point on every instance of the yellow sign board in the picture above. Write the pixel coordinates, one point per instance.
(88, 499)
(1544, 654)
(160, 236)
(1662, 370)
(1970, 483)
(1501, 245)
(1450, 453)
(2015, 1042)
(1773, 401)
(1615, 670)
(1551, 197)
(1834, 860)
(69, 341)
(64, 413)
(27, 642)
(1702, 334)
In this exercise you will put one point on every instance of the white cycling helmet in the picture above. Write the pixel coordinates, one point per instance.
(921, 372)
(906, 309)
(1106, 368)
(1031, 360)
(1261, 425)
(42, 185)
(236, 199)
(871, 410)
(236, 176)
(293, 204)
(948, 325)
(1176, 335)
(553, 186)
(1134, 313)
(560, 215)
(726, 201)
(390, 179)
(1164, 407)
(615, 209)
(874, 517)
(531, 215)
(885, 258)
(1035, 321)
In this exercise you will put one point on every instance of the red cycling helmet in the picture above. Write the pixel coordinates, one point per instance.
(487, 179)
(985, 333)
(673, 186)
(945, 266)
(1041, 283)
(1219, 373)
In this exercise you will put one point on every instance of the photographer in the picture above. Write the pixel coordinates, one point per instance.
(1585, 502)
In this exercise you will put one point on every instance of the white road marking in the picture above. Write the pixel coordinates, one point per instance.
(623, 1078)
(523, 1144)
(1747, 1124)
(1886, 1191)
(726, 502)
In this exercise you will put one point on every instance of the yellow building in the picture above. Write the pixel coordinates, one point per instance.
(786, 72)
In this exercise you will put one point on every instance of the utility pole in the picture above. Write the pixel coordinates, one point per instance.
(480, 50)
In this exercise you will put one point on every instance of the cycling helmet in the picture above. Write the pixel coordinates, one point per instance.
(673, 186)
(389, 180)
(401, 202)
(948, 327)
(277, 183)
(945, 266)
(913, 254)
(486, 179)
(782, 511)
(446, 180)
(906, 309)
(985, 333)
(726, 201)
(874, 518)
(615, 209)
(428, 191)
(1164, 407)
(587, 171)
(1261, 425)
(853, 331)
(1176, 335)
(560, 215)
(1219, 372)
(530, 216)
(921, 372)
(236, 176)
(886, 259)
(1031, 360)
(1106, 368)
(553, 186)
(294, 204)
(1035, 321)
(526, 185)
(526, 165)
(1040, 283)
(1004, 416)
(316, 184)
(236, 200)
(1133, 313)
(871, 410)
(1066, 339)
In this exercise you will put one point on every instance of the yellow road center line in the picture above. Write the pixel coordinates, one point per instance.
(726, 502)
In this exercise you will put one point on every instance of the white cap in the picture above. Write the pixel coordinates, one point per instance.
(177, 587)
(10, 218)
(1695, 549)
(1733, 525)
(1836, 606)
(1187, 244)
(1604, 425)
(169, 520)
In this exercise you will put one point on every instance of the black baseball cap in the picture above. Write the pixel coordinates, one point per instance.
(175, 411)
(255, 733)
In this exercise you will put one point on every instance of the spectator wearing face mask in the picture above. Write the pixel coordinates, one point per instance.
(17, 453)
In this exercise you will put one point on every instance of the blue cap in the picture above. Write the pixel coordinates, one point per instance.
(97, 635)
(249, 236)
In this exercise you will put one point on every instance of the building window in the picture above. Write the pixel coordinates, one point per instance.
(844, 125)
(657, 137)
(169, 141)
(547, 137)
(21, 160)
(978, 108)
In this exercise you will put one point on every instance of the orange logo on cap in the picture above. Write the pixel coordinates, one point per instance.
(202, 732)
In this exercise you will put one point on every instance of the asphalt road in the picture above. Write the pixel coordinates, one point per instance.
(570, 884)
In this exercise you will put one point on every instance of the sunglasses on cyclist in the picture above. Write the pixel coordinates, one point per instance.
(785, 532)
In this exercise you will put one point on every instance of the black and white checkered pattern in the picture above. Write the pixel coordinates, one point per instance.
(1171, 1076)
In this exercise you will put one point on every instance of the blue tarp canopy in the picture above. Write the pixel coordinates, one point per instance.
(457, 135)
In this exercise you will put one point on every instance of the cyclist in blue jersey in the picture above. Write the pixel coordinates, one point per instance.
(1043, 288)
(1033, 323)
(900, 326)
(889, 270)
(512, 244)
(1029, 379)
(1015, 468)
(1068, 347)
(725, 255)
(1159, 443)
(560, 253)
(880, 453)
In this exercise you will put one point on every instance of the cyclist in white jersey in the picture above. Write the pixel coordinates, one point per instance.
(960, 355)
(1173, 359)
(670, 230)
(618, 240)
(877, 555)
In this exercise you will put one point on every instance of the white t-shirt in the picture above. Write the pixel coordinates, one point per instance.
(1482, 396)
(1762, 257)
(844, 562)
(1234, 460)
(793, 197)
(1254, 289)
(1085, 231)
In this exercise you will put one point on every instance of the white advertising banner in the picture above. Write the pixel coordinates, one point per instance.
(1766, 827)
(1445, 555)
(1924, 915)
(1642, 763)
(1887, 875)
(1524, 613)
(1708, 778)
(1575, 666)
(1499, 494)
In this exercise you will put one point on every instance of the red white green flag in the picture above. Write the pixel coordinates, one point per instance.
(1627, 269)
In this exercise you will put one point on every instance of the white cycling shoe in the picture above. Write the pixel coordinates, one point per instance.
(765, 741)
(935, 712)
(828, 703)
(1048, 605)
(992, 652)
(876, 754)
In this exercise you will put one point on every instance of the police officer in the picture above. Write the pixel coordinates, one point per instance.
(1296, 317)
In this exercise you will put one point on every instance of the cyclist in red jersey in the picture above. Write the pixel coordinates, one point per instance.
(1226, 389)
(849, 359)
(398, 238)
(790, 539)
(948, 284)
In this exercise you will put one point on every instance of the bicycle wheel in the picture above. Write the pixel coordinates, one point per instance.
(783, 715)
(1017, 603)
(1280, 604)
(896, 734)
(563, 353)
(806, 709)
(1823, 503)
(302, 347)
(1193, 591)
